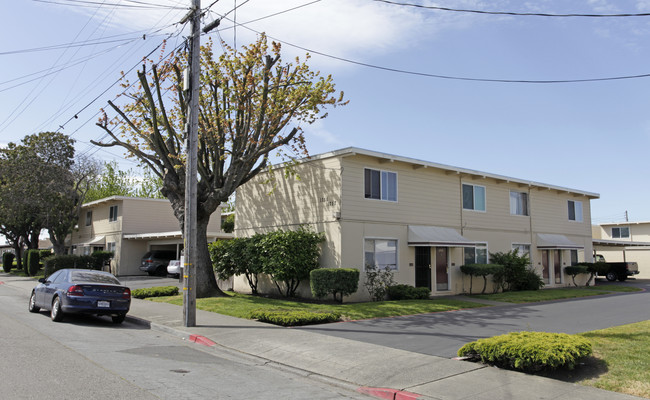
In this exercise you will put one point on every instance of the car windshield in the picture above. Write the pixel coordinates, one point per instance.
(92, 277)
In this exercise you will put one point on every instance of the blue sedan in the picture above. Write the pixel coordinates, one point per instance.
(85, 291)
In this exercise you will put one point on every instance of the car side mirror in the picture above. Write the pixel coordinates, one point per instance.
(42, 280)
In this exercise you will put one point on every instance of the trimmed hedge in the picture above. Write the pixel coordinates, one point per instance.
(529, 351)
(341, 281)
(55, 263)
(575, 270)
(294, 318)
(157, 291)
(33, 262)
(408, 292)
(7, 261)
(482, 270)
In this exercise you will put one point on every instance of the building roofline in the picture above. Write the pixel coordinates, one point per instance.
(351, 151)
(624, 223)
(118, 198)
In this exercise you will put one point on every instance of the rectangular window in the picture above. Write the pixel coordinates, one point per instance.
(112, 214)
(574, 257)
(473, 197)
(110, 246)
(381, 253)
(522, 249)
(622, 232)
(380, 185)
(89, 218)
(575, 211)
(518, 203)
(476, 255)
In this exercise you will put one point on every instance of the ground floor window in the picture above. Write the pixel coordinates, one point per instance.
(522, 249)
(381, 253)
(476, 255)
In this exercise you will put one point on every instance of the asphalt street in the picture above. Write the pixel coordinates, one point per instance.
(442, 334)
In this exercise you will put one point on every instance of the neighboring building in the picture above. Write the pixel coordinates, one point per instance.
(424, 220)
(130, 227)
(624, 241)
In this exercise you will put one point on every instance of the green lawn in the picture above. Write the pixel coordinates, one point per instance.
(240, 305)
(625, 351)
(531, 296)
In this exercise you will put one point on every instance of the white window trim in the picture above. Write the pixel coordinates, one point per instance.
(620, 236)
(530, 246)
(363, 250)
(510, 205)
(481, 245)
(363, 187)
(116, 213)
(582, 217)
(474, 199)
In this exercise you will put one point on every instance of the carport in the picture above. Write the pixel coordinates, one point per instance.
(603, 244)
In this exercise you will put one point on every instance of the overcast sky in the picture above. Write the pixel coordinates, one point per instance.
(591, 136)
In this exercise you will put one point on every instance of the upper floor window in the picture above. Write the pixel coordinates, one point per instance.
(89, 218)
(112, 214)
(575, 211)
(476, 255)
(381, 253)
(519, 203)
(473, 197)
(380, 185)
(622, 232)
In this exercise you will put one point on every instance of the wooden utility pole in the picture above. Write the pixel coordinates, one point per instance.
(189, 234)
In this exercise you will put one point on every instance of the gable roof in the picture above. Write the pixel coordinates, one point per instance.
(352, 151)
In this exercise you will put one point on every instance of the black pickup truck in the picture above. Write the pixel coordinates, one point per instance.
(615, 270)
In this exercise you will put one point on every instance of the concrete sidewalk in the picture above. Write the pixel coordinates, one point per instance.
(359, 366)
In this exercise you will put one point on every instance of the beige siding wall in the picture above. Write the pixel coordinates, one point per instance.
(311, 196)
(639, 232)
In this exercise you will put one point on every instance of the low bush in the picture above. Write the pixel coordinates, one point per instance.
(55, 263)
(294, 318)
(341, 281)
(378, 281)
(408, 292)
(7, 261)
(33, 262)
(529, 351)
(157, 291)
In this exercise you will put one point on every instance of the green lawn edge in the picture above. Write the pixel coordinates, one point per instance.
(532, 296)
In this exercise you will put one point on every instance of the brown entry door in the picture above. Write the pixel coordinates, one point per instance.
(557, 266)
(442, 268)
(545, 265)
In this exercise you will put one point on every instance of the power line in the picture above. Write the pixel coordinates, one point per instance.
(87, 3)
(522, 14)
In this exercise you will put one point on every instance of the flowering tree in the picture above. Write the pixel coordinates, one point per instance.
(248, 100)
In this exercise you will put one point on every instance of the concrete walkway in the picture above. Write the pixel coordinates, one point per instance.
(379, 371)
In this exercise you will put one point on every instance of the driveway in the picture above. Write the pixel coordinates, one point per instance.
(442, 334)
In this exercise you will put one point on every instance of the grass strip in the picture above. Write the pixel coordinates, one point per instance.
(532, 296)
(241, 305)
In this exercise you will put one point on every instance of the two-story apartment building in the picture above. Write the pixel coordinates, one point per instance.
(625, 241)
(130, 227)
(421, 219)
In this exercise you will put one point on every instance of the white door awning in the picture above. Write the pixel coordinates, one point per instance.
(95, 240)
(436, 236)
(547, 241)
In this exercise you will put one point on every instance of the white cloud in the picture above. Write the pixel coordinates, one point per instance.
(318, 135)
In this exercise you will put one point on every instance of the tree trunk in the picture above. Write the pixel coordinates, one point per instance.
(57, 245)
(206, 283)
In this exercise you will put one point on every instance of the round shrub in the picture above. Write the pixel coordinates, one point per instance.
(341, 281)
(7, 261)
(529, 351)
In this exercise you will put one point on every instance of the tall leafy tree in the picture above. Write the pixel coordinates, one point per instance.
(113, 181)
(249, 101)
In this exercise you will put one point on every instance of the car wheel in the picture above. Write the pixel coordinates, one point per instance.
(32, 303)
(56, 314)
(161, 270)
(118, 319)
(611, 276)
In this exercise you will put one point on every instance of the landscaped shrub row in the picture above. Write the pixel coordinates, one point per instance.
(408, 292)
(7, 261)
(482, 270)
(341, 281)
(286, 256)
(93, 261)
(509, 270)
(294, 318)
(529, 351)
(157, 291)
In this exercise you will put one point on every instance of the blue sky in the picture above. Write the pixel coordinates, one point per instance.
(590, 136)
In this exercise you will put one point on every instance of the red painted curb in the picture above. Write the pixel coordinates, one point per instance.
(389, 394)
(201, 340)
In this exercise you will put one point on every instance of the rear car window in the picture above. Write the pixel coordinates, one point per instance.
(90, 277)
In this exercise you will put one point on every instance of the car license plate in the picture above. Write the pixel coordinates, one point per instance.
(103, 304)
